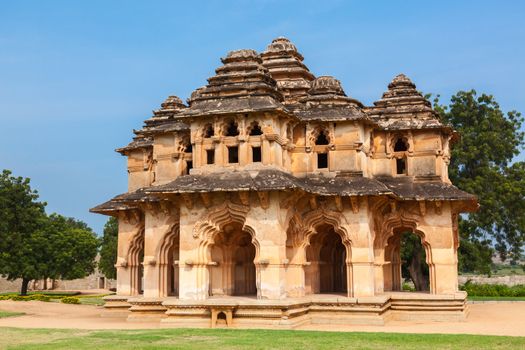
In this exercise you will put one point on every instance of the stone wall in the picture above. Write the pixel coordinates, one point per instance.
(93, 281)
(506, 280)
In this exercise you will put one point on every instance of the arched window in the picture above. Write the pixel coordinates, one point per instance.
(255, 130)
(231, 129)
(322, 139)
(400, 149)
(322, 156)
(400, 145)
(208, 131)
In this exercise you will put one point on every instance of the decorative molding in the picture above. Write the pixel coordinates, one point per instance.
(264, 199)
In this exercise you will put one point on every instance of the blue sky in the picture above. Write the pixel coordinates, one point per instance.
(77, 76)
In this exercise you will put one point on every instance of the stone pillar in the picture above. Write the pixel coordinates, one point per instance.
(360, 260)
(296, 272)
(295, 280)
(381, 271)
(193, 269)
(129, 228)
(159, 221)
(361, 271)
(270, 263)
(438, 230)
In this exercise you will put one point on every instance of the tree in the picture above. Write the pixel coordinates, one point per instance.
(72, 248)
(108, 249)
(34, 245)
(481, 164)
(413, 260)
(22, 219)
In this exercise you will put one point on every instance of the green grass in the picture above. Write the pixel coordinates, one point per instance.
(92, 301)
(507, 270)
(48, 293)
(10, 314)
(480, 298)
(206, 339)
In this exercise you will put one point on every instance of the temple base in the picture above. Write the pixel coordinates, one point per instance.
(249, 312)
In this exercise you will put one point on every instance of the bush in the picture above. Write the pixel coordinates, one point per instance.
(70, 300)
(39, 297)
(408, 287)
(19, 298)
(493, 290)
(5, 297)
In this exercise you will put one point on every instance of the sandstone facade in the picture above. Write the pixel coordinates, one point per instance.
(273, 183)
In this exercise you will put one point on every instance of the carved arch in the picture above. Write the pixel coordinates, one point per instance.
(393, 224)
(207, 229)
(320, 130)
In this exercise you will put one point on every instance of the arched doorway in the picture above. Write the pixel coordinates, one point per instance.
(406, 267)
(173, 270)
(135, 266)
(327, 255)
(233, 271)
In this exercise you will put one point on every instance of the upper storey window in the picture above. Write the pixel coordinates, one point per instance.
(208, 131)
(255, 130)
(400, 145)
(231, 129)
(400, 150)
(322, 139)
(233, 154)
(322, 155)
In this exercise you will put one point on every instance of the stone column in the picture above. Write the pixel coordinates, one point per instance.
(439, 233)
(381, 268)
(129, 227)
(193, 269)
(361, 271)
(360, 261)
(270, 263)
(159, 221)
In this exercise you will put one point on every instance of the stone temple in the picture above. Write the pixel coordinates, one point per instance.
(273, 199)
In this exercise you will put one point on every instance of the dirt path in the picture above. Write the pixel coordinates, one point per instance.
(487, 318)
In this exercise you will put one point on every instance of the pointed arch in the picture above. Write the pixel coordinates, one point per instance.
(210, 230)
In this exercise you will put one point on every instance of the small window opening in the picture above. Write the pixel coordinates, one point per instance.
(401, 166)
(322, 160)
(322, 139)
(233, 154)
(189, 166)
(256, 154)
(256, 130)
(209, 132)
(188, 148)
(232, 129)
(210, 156)
(400, 146)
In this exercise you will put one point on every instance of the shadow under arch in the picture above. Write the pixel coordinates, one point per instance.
(211, 230)
(319, 241)
(135, 257)
(394, 226)
(167, 255)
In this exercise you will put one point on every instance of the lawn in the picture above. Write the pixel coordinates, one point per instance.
(491, 298)
(9, 314)
(206, 339)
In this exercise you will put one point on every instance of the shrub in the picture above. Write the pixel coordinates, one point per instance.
(19, 298)
(39, 297)
(70, 300)
(408, 287)
(493, 290)
(5, 297)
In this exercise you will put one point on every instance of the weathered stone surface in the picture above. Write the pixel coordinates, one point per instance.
(275, 184)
